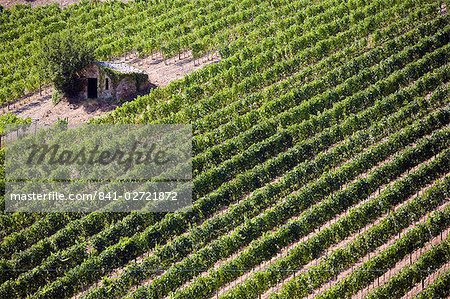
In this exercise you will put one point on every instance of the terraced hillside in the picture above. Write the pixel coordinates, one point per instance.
(321, 147)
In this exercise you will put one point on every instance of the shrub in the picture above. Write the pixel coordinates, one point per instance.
(63, 56)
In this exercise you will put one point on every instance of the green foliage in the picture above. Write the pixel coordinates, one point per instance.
(57, 96)
(63, 57)
(438, 289)
(61, 123)
(306, 99)
(11, 119)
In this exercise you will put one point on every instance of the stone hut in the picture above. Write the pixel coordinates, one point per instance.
(109, 80)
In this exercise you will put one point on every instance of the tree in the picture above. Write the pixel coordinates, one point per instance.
(63, 56)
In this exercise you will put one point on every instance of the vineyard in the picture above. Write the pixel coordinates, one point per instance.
(321, 152)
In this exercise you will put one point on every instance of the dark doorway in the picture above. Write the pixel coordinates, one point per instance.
(92, 88)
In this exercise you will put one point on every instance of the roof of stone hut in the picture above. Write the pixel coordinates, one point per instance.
(120, 67)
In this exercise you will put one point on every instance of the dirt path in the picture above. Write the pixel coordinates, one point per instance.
(162, 73)
(41, 109)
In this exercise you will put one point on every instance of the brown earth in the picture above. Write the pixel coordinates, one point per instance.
(162, 73)
(40, 108)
